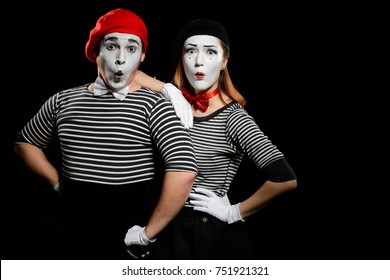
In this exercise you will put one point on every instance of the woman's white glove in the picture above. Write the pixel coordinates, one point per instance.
(218, 206)
(180, 104)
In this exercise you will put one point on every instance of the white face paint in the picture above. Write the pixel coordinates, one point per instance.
(119, 56)
(202, 61)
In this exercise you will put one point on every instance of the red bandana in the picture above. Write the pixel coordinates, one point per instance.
(201, 100)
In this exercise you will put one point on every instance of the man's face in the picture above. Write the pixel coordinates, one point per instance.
(202, 61)
(119, 56)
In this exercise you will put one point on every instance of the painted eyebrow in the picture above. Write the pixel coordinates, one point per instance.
(206, 46)
(210, 46)
(192, 45)
(116, 39)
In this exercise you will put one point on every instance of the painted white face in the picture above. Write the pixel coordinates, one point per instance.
(202, 61)
(119, 56)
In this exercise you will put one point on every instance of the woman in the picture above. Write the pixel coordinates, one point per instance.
(209, 227)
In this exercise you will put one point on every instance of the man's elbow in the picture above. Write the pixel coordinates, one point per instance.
(191, 176)
(292, 184)
(189, 179)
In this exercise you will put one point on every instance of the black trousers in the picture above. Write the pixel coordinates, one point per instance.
(195, 235)
(97, 217)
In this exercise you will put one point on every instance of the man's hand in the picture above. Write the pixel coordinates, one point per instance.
(180, 104)
(207, 201)
(137, 242)
(59, 189)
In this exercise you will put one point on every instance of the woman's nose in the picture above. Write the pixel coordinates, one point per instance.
(199, 59)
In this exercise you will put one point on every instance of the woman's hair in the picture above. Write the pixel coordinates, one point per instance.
(225, 83)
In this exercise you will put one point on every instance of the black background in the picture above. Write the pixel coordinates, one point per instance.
(298, 65)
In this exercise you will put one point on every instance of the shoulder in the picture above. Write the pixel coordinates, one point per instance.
(236, 110)
(73, 90)
(239, 117)
(152, 95)
(153, 101)
(148, 91)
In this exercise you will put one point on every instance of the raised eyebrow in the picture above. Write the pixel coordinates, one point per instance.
(210, 46)
(115, 39)
(191, 45)
(205, 46)
(133, 41)
(111, 39)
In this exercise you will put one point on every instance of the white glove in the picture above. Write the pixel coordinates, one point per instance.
(180, 104)
(137, 242)
(136, 236)
(207, 201)
(57, 187)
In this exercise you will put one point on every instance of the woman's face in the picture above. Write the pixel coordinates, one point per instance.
(119, 56)
(203, 61)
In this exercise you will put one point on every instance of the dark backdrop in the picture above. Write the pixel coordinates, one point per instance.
(296, 65)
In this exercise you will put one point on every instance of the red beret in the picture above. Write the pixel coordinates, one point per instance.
(119, 20)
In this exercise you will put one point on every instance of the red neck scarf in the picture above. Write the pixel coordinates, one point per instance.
(201, 100)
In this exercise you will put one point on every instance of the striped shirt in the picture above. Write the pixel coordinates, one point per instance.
(221, 140)
(104, 140)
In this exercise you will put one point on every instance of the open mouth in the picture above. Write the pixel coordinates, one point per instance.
(199, 75)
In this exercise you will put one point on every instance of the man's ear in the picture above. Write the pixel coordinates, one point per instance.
(98, 46)
(143, 56)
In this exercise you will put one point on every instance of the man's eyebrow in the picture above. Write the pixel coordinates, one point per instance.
(113, 38)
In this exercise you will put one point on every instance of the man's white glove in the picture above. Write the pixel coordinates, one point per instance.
(180, 104)
(207, 201)
(136, 236)
(57, 187)
(137, 242)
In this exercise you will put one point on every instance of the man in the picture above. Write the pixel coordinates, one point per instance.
(111, 132)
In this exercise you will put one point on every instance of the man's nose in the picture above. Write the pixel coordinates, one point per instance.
(120, 61)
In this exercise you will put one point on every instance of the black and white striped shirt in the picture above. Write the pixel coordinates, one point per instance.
(104, 140)
(221, 140)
